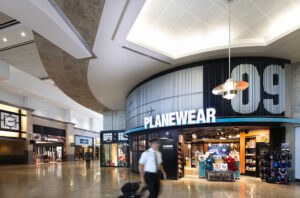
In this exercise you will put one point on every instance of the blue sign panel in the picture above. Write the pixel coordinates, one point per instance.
(83, 141)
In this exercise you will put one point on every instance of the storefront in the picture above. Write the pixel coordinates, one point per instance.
(114, 149)
(193, 124)
(13, 134)
(83, 144)
(48, 144)
(97, 148)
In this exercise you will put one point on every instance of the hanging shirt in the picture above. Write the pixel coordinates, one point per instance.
(151, 160)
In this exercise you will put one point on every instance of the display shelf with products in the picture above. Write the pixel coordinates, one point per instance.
(250, 156)
(180, 157)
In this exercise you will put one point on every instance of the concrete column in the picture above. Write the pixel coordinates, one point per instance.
(290, 138)
(113, 120)
(68, 115)
(70, 151)
(28, 146)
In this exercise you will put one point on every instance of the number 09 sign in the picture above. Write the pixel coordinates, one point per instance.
(271, 85)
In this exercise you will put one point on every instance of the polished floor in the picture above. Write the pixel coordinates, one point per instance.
(72, 180)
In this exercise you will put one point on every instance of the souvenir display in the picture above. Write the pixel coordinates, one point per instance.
(231, 164)
(209, 163)
(274, 166)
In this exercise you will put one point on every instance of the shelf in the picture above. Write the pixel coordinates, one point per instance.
(250, 147)
(250, 170)
(251, 163)
(250, 155)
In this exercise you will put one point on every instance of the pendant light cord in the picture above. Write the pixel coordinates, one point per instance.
(229, 49)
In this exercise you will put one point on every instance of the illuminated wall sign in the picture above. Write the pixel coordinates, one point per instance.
(9, 121)
(51, 139)
(83, 141)
(181, 118)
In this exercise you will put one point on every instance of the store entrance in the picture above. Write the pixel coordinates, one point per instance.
(49, 152)
(216, 148)
(81, 150)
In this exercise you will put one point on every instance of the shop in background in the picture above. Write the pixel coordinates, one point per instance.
(48, 144)
(13, 122)
(83, 144)
(114, 149)
(13, 132)
(97, 148)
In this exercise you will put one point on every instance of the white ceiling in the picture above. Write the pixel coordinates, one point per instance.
(43, 18)
(116, 70)
(4, 18)
(13, 35)
(23, 84)
(179, 28)
(21, 51)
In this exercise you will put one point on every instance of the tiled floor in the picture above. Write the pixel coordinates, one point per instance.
(72, 180)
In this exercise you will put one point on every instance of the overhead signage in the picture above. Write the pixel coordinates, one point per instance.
(181, 118)
(83, 141)
(51, 139)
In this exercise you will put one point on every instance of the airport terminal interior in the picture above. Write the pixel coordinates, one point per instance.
(88, 88)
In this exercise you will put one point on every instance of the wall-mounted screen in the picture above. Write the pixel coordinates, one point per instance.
(219, 149)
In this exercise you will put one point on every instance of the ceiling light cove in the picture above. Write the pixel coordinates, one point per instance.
(180, 28)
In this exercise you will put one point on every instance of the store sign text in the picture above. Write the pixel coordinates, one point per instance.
(181, 118)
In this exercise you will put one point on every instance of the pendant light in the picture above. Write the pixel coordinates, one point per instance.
(230, 88)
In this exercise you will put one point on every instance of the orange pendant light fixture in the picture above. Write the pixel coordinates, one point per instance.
(230, 88)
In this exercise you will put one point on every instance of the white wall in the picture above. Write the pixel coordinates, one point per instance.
(48, 110)
(297, 154)
(80, 121)
(10, 97)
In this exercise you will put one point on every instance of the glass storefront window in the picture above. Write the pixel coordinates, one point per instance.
(123, 154)
(134, 144)
(105, 157)
(115, 154)
(142, 142)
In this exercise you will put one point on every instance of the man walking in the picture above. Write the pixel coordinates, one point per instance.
(150, 164)
(87, 157)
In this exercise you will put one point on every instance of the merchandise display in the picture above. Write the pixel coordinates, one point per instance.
(219, 168)
(231, 164)
(274, 166)
(202, 159)
(250, 156)
(209, 163)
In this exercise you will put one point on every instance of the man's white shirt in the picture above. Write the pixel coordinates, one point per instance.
(148, 160)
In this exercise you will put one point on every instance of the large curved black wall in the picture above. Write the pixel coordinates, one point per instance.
(189, 87)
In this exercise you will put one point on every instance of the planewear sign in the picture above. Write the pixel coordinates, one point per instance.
(181, 118)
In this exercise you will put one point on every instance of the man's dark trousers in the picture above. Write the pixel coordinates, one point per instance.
(153, 184)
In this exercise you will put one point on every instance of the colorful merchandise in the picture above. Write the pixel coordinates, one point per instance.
(209, 163)
(231, 164)
(275, 164)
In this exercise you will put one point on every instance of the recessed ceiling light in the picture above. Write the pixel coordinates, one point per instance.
(23, 34)
(4, 39)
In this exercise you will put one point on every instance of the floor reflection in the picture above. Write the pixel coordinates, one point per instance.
(71, 179)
